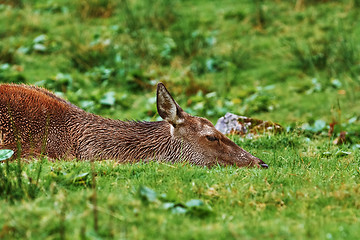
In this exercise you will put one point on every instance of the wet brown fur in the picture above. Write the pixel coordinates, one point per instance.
(34, 121)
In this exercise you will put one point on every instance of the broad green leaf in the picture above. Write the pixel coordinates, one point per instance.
(168, 205)
(194, 203)
(5, 154)
(147, 194)
(178, 210)
(319, 125)
(198, 208)
(342, 153)
(40, 39)
(108, 99)
(352, 120)
(39, 47)
(80, 177)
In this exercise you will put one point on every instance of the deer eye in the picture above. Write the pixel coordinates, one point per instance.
(212, 138)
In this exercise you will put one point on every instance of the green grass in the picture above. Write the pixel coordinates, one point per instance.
(303, 194)
(292, 62)
(232, 48)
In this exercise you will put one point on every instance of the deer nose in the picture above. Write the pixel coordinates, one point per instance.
(264, 165)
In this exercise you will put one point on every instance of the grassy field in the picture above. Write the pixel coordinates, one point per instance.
(303, 195)
(292, 62)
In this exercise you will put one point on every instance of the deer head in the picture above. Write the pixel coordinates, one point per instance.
(202, 144)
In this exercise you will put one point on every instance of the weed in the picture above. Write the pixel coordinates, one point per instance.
(14, 185)
(89, 52)
(259, 15)
(159, 14)
(11, 74)
(96, 8)
(15, 3)
(189, 38)
(7, 55)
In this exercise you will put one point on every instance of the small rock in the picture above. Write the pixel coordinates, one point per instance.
(240, 125)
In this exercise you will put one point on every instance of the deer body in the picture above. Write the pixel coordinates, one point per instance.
(34, 121)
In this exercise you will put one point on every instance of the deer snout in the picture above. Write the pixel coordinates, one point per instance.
(262, 164)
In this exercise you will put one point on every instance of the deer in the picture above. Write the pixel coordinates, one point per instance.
(35, 122)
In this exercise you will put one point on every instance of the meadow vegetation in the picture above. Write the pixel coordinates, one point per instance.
(294, 62)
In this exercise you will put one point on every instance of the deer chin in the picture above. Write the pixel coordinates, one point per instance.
(171, 130)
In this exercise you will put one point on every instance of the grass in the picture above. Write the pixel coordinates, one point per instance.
(304, 194)
(292, 62)
(193, 48)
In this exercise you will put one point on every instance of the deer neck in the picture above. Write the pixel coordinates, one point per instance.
(128, 141)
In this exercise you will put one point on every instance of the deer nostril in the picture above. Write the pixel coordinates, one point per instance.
(264, 165)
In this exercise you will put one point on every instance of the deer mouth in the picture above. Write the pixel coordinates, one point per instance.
(264, 165)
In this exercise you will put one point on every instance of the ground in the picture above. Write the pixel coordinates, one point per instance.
(296, 63)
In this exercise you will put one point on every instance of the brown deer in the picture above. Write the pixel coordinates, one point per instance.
(34, 121)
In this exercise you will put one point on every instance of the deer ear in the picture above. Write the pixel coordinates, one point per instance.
(167, 108)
